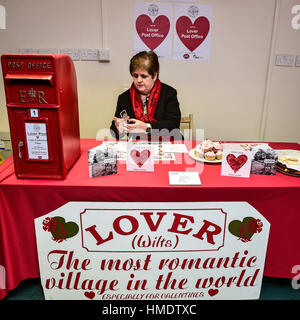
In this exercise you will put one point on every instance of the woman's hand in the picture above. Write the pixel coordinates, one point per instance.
(121, 124)
(136, 126)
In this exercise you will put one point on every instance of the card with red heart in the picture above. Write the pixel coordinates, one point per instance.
(236, 163)
(140, 157)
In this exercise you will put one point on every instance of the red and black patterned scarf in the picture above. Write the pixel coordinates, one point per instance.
(152, 103)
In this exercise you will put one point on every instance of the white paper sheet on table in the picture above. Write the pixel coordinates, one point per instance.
(184, 178)
(175, 148)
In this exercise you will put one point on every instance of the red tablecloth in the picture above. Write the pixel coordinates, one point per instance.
(21, 201)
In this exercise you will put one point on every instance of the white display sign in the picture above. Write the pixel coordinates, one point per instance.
(146, 251)
(37, 142)
(152, 25)
(192, 30)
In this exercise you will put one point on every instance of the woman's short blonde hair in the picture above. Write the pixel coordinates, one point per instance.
(145, 60)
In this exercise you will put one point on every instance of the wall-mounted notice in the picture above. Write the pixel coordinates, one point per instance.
(152, 24)
(192, 31)
(152, 251)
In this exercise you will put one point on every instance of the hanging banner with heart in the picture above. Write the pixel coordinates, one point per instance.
(152, 23)
(236, 163)
(151, 251)
(192, 32)
(140, 157)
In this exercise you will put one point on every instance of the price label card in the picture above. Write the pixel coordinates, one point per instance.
(184, 178)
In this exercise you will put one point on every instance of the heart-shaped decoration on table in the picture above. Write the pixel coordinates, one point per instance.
(236, 163)
(90, 294)
(152, 33)
(140, 157)
(60, 229)
(244, 230)
(2, 277)
(192, 34)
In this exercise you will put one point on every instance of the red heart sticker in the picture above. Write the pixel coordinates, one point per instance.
(213, 292)
(140, 157)
(152, 33)
(236, 162)
(192, 34)
(90, 294)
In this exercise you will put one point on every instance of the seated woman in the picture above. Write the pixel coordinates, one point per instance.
(149, 107)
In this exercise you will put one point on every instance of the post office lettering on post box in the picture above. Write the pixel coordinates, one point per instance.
(38, 65)
(15, 64)
(30, 65)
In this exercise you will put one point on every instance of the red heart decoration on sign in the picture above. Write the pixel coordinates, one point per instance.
(90, 294)
(236, 162)
(152, 33)
(140, 157)
(192, 34)
(213, 292)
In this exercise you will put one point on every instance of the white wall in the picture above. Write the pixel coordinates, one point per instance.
(283, 116)
(233, 96)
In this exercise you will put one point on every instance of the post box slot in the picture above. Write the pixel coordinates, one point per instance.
(30, 77)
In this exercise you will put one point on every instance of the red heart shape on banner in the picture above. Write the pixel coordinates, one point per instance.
(213, 292)
(90, 294)
(192, 34)
(152, 33)
(236, 162)
(140, 157)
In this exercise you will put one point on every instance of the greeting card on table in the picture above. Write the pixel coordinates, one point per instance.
(264, 161)
(236, 163)
(102, 161)
(140, 157)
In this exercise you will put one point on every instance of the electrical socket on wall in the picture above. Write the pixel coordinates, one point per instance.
(76, 54)
(28, 50)
(73, 53)
(285, 60)
(47, 50)
(104, 55)
(89, 54)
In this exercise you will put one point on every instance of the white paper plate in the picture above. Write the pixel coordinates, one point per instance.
(192, 154)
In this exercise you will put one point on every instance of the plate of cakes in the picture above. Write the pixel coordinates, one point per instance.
(208, 151)
(289, 162)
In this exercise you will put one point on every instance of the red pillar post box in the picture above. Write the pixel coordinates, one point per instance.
(42, 106)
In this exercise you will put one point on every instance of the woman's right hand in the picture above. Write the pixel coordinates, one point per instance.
(121, 124)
